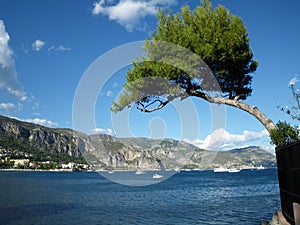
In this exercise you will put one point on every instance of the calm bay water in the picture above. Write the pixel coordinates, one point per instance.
(197, 197)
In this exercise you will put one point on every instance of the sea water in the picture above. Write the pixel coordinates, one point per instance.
(195, 197)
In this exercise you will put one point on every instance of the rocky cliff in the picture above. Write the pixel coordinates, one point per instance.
(63, 141)
(108, 152)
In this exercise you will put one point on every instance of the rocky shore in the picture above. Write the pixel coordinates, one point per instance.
(274, 221)
(277, 219)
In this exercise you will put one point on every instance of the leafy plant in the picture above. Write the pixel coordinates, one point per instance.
(284, 134)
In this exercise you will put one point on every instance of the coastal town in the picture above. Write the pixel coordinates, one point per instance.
(18, 160)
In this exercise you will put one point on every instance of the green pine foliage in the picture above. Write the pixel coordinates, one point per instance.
(219, 38)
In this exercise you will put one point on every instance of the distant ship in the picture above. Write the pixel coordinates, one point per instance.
(139, 171)
(157, 176)
(260, 167)
(221, 170)
(177, 170)
(234, 170)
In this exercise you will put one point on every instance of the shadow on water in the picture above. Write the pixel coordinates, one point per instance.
(32, 213)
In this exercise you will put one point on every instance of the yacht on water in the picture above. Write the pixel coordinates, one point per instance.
(139, 172)
(157, 176)
(234, 170)
(260, 167)
(221, 170)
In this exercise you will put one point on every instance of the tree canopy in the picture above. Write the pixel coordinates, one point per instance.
(219, 39)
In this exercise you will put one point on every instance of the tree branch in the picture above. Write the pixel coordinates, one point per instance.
(253, 110)
(160, 106)
(162, 103)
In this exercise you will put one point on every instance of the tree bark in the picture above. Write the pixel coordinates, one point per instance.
(252, 110)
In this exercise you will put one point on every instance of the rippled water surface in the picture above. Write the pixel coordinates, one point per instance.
(197, 197)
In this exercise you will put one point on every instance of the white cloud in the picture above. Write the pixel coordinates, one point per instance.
(42, 122)
(109, 93)
(51, 48)
(60, 48)
(222, 140)
(8, 73)
(17, 93)
(103, 131)
(293, 81)
(129, 13)
(7, 106)
(38, 45)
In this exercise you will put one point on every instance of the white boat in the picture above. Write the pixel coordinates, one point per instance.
(157, 176)
(177, 170)
(139, 172)
(260, 167)
(221, 170)
(234, 170)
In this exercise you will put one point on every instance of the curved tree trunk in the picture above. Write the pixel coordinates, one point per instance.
(253, 110)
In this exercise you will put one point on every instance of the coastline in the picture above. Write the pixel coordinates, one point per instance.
(116, 170)
(71, 171)
(277, 219)
(39, 170)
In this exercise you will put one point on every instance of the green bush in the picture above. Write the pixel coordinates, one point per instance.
(284, 134)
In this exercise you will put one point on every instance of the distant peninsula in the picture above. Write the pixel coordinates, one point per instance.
(30, 146)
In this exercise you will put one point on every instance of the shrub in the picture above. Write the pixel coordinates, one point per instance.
(284, 134)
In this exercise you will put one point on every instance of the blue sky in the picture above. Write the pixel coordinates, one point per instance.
(47, 46)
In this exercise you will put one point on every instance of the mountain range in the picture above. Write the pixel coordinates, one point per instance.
(103, 151)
